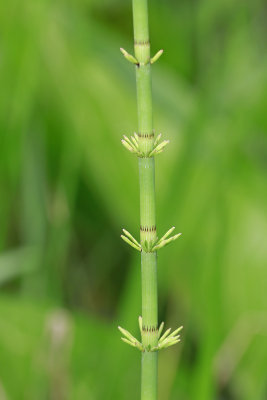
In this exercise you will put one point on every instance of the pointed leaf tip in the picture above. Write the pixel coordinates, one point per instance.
(131, 237)
(156, 56)
(130, 243)
(128, 56)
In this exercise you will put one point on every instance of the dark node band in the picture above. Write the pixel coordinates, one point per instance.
(146, 135)
(149, 328)
(142, 43)
(148, 228)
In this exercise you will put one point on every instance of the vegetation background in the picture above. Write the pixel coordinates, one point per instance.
(67, 188)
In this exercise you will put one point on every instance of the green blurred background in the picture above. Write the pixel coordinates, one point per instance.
(67, 187)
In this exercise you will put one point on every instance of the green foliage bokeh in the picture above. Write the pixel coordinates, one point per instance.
(67, 188)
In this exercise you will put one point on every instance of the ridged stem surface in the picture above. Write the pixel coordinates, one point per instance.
(147, 201)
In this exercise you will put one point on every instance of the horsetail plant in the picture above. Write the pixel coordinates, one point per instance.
(145, 146)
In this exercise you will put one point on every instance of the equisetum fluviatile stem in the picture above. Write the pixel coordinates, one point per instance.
(149, 368)
(145, 145)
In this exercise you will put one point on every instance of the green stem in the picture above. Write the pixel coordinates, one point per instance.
(149, 376)
(147, 200)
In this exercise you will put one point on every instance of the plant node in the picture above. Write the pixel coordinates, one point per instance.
(166, 340)
(133, 145)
